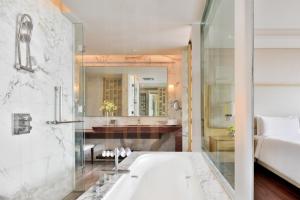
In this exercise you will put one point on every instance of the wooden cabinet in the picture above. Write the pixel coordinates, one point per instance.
(221, 143)
(136, 132)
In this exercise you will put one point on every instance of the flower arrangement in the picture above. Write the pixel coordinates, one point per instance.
(231, 130)
(108, 107)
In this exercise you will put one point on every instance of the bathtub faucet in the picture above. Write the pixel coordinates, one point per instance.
(116, 169)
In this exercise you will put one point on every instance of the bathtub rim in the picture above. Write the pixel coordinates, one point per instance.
(126, 163)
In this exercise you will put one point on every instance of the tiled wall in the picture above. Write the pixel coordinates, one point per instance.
(39, 165)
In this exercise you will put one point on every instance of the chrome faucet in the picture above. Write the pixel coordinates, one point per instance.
(116, 169)
(117, 153)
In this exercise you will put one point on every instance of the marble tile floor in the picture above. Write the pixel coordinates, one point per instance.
(224, 161)
(88, 177)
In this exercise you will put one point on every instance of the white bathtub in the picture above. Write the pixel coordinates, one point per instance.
(162, 176)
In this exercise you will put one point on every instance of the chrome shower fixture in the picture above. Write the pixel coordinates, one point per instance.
(23, 38)
(21, 123)
(58, 109)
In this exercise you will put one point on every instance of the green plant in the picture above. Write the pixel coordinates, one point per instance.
(231, 129)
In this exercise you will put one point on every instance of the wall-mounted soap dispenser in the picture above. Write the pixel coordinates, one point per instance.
(21, 123)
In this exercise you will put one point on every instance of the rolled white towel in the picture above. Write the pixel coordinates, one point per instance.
(103, 153)
(122, 152)
(128, 151)
(106, 153)
(112, 154)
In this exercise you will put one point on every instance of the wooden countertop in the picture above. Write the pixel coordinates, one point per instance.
(138, 128)
(131, 131)
(135, 132)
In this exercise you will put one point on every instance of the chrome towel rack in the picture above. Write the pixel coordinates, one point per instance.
(58, 98)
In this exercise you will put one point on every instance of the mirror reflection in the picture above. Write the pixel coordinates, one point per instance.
(126, 91)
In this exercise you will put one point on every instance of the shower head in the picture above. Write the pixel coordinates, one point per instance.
(25, 28)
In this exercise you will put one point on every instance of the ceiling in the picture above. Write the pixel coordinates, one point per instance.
(135, 26)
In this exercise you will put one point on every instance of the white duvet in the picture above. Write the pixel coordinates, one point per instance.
(282, 153)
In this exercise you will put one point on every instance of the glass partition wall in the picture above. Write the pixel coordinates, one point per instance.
(78, 84)
(218, 129)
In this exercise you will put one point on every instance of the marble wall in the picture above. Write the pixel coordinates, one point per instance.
(185, 100)
(38, 165)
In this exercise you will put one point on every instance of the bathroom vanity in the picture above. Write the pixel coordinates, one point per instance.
(136, 132)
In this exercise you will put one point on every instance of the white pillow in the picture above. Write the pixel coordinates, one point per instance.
(277, 126)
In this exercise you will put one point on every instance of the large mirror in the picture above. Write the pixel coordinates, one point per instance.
(126, 91)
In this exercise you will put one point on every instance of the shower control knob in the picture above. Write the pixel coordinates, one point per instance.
(21, 123)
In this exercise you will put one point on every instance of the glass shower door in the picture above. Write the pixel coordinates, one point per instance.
(79, 74)
(217, 34)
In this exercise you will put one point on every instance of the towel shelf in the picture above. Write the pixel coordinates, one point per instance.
(58, 98)
(63, 122)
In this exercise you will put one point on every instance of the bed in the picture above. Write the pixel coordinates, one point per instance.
(278, 146)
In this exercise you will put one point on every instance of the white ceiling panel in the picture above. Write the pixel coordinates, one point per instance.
(136, 26)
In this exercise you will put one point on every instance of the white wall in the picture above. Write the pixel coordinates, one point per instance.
(276, 14)
(277, 23)
(39, 165)
(277, 66)
(277, 82)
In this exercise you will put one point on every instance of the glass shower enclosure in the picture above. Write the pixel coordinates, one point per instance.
(217, 87)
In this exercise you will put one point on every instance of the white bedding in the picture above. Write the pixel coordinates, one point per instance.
(282, 154)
